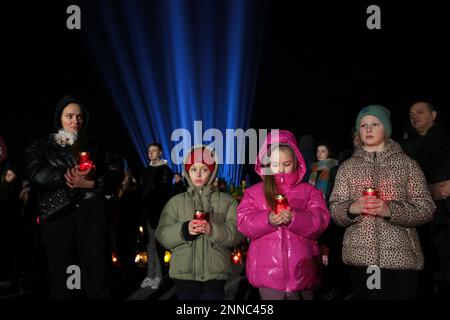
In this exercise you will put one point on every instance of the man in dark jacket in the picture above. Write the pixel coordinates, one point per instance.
(428, 144)
(70, 201)
(156, 184)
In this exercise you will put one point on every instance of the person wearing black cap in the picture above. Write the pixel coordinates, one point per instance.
(73, 219)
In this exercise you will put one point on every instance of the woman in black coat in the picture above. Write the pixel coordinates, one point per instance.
(70, 202)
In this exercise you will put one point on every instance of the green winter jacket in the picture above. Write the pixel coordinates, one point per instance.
(207, 257)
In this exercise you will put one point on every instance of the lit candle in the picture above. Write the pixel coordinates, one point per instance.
(85, 161)
(281, 203)
(201, 215)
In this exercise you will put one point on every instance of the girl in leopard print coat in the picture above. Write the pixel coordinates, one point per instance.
(380, 230)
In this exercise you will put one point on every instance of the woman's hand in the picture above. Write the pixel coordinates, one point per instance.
(77, 179)
(88, 173)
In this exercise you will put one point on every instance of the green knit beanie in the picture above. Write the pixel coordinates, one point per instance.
(381, 113)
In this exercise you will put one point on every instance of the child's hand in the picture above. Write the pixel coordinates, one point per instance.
(194, 227)
(358, 206)
(286, 215)
(376, 207)
(204, 227)
(197, 227)
(275, 219)
(325, 260)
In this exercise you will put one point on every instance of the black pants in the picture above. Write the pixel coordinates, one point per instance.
(78, 238)
(425, 276)
(197, 290)
(395, 284)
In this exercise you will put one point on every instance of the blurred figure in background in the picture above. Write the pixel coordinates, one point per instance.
(10, 227)
(179, 185)
(128, 223)
(306, 146)
(156, 187)
(429, 144)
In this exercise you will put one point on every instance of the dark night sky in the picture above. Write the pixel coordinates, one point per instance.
(319, 65)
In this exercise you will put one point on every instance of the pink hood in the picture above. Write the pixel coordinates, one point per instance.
(283, 138)
(287, 257)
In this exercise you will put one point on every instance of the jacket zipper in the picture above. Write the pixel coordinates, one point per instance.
(203, 258)
(193, 259)
(285, 255)
(377, 236)
(285, 259)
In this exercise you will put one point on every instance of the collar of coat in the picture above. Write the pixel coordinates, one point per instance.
(203, 191)
(161, 162)
(391, 149)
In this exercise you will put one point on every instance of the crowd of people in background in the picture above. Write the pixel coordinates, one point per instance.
(60, 211)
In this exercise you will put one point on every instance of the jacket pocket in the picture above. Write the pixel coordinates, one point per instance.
(395, 238)
(219, 259)
(354, 235)
(181, 260)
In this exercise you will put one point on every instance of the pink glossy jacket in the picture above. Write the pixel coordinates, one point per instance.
(284, 258)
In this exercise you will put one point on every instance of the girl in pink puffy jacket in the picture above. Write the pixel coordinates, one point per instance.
(284, 256)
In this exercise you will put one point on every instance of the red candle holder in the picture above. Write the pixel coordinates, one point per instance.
(85, 161)
(371, 192)
(201, 215)
(281, 203)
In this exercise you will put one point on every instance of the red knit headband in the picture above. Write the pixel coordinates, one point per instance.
(200, 156)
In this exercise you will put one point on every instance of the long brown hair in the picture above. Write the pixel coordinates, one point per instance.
(270, 187)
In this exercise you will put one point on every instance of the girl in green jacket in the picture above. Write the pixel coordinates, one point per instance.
(199, 227)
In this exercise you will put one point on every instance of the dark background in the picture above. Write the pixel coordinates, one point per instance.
(319, 65)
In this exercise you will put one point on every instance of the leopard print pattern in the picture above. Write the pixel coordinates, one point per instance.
(393, 242)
